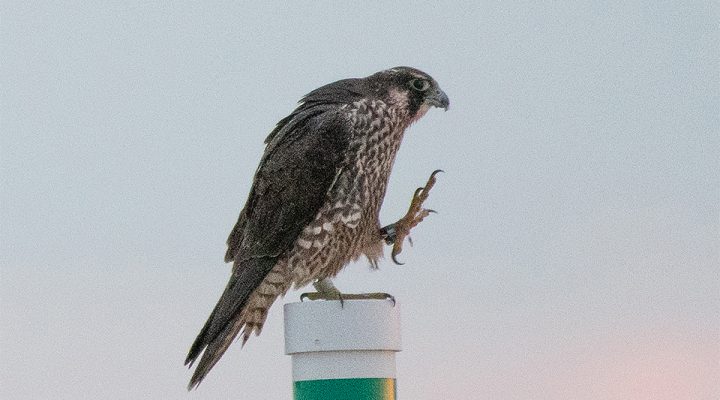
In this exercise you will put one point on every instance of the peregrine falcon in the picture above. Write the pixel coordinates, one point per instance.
(315, 201)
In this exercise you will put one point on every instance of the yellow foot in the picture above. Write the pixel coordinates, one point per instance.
(344, 296)
(396, 233)
(326, 290)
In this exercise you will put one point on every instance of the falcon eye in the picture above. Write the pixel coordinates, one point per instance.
(420, 85)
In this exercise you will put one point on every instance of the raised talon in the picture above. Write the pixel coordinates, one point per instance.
(396, 233)
(394, 254)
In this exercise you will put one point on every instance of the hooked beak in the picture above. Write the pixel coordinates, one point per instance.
(438, 99)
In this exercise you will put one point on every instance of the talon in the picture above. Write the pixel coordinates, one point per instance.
(396, 233)
(393, 255)
(309, 296)
(431, 181)
(371, 296)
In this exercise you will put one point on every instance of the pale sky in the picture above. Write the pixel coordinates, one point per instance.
(577, 246)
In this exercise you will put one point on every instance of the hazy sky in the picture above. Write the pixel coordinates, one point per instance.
(576, 250)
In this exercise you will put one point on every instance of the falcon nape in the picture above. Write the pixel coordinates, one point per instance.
(315, 201)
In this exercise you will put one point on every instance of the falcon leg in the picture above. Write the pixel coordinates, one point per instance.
(396, 233)
(326, 290)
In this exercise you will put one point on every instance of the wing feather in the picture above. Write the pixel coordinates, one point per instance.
(290, 186)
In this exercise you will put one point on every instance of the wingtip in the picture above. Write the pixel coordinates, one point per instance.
(193, 354)
(193, 385)
(197, 378)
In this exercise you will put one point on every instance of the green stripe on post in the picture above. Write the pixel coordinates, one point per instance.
(346, 389)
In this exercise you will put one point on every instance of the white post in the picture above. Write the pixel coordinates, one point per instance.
(343, 352)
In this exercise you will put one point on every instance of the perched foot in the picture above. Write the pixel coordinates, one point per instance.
(344, 296)
(326, 290)
(396, 233)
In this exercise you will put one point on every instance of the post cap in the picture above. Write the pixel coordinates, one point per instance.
(312, 326)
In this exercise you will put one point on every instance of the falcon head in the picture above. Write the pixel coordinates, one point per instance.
(405, 88)
(408, 88)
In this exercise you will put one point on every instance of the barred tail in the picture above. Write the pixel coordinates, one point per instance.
(249, 319)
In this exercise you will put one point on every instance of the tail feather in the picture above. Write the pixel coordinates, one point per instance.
(199, 343)
(212, 354)
(249, 321)
(244, 303)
